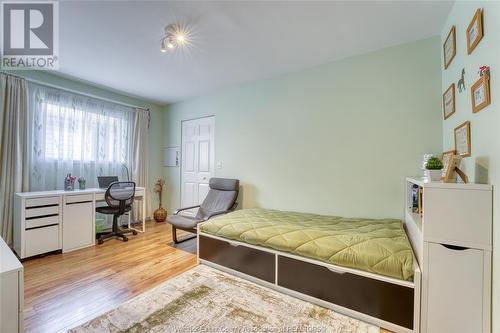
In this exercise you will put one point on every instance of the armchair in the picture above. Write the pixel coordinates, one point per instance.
(221, 199)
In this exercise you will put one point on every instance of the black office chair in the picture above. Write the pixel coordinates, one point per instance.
(119, 197)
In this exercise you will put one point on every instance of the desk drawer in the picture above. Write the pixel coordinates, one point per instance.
(41, 211)
(42, 240)
(43, 201)
(41, 221)
(79, 198)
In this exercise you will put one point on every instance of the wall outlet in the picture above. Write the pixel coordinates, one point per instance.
(219, 165)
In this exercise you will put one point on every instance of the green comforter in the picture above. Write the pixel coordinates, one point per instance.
(371, 245)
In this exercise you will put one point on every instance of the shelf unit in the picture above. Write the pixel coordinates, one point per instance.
(452, 241)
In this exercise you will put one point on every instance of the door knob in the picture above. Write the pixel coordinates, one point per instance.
(204, 178)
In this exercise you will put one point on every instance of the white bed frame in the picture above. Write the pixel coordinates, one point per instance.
(415, 285)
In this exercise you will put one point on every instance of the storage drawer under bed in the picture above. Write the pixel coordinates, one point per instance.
(259, 264)
(376, 298)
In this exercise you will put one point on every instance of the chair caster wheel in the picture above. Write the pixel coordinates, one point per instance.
(100, 241)
(125, 239)
(134, 232)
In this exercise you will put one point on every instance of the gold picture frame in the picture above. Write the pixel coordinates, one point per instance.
(480, 94)
(449, 101)
(475, 31)
(462, 139)
(449, 47)
(446, 158)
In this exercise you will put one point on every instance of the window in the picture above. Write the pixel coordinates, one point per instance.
(76, 134)
(73, 135)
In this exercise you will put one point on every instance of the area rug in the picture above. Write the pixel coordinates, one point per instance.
(204, 299)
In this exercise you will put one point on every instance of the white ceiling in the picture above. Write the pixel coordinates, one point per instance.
(116, 44)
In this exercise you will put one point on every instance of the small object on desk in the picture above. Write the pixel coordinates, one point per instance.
(69, 182)
(82, 183)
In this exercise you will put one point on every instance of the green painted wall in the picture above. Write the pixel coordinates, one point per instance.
(334, 139)
(484, 164)
(157, 111)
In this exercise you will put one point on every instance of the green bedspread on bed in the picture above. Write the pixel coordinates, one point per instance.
(374, 245)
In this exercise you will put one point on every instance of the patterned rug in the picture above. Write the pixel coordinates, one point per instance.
(204, 299)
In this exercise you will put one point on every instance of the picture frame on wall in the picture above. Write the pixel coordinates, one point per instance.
(449, 101)
(475, 31)
(446, 158)
(462, 139)
(449, 47)
(480, 94)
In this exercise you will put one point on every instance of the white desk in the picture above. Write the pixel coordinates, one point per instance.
(11, 291)
(47, 221)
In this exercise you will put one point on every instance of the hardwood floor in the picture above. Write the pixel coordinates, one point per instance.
(65, 290)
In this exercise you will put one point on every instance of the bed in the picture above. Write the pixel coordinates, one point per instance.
(364, 268)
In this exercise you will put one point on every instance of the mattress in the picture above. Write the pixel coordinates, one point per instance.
(377, 246)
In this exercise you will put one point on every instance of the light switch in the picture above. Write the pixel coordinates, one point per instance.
(219, 165)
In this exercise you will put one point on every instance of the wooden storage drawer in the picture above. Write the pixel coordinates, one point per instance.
(455, 290)
(42, 240)
(41, 211)
(41, 221)
(379, 299)
(43, 201)
(259, 264)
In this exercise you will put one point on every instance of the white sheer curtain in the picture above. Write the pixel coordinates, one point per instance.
(76, 134)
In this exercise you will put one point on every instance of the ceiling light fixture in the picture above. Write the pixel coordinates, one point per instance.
(175, 37)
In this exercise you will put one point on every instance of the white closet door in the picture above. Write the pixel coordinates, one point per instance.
(198, 146)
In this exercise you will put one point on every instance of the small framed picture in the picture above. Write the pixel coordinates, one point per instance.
(449, 47)
(462, 139)
(475, 31)
(480, 93)
(449, 101)
(447, 157)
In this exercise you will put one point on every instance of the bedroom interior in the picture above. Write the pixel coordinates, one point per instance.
(293, 166)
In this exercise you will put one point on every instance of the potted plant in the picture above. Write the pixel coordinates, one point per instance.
(160, 215)
(434, 166)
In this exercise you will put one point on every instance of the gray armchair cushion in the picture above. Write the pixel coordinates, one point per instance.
(224, 184)
(183, 222)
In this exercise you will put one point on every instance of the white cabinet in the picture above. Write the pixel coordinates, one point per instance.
(11, 291)
(37, 225)
(452, 237)
(79, 222)
(455, 289)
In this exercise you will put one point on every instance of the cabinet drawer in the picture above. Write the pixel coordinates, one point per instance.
(455, 289)
(41, 221)
(42, 240)
(43, 201)
(79, 198)
(379, 299)
(243, 259)
(41, 211)
(458, 217)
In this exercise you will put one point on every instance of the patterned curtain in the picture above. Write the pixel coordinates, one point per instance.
(71, 133)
